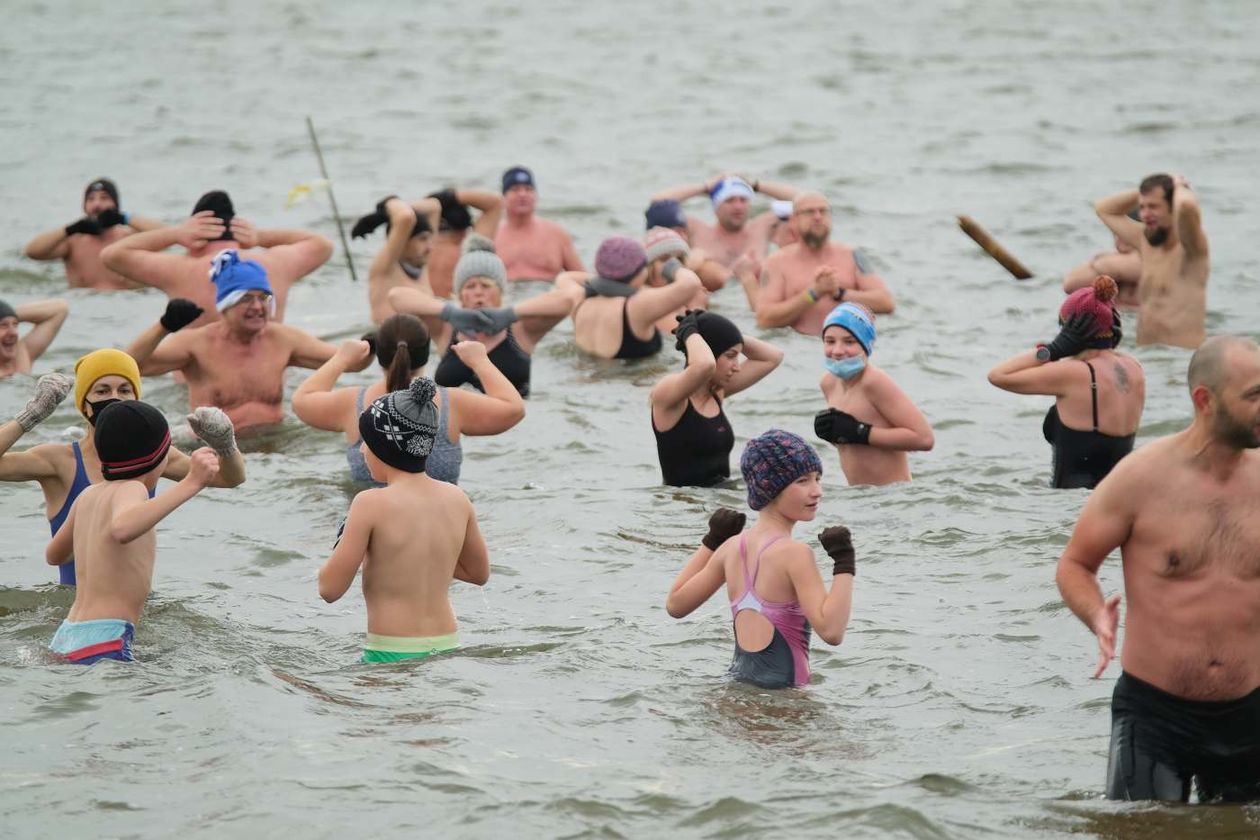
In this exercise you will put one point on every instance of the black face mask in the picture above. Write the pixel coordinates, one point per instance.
(97, 407)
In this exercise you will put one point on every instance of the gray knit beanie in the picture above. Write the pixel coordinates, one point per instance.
(479, 260)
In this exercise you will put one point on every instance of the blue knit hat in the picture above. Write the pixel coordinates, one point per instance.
(855, 318)
(773, 460)
(234, 276)
(666, 213)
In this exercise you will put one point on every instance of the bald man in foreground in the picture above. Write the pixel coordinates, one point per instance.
(1184, 511)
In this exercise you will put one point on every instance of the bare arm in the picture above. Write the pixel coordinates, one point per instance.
(61, 547)
(131, 522)
(681, 193)
(231, 469)
(47, 316)
(648, 305)
(142, 224)
(569, 259)
(338, 572)
(51, 245)
(138, 257)
(291, 253)
(491, 207)
(696, 583)
(774, 189)
(156, 354)
(910, 430)
(421, 303)
(774, 307)
(310, 352)
(402, 221)
(541, 313)
(761, 357)
(1024, 374)
(498, 409)
(315, 403)
(1114, 210)
(872, 293)
(1188, 219)
(473, 565)
(826, 610)
(669, 396)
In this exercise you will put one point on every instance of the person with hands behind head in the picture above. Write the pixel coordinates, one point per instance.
(1184, 510)
(693, 436)
(288, 255)
(109, 531)
(19, 352)
(871, 421)
(409, 231)
(455, 222)
(736, 231)
(401, 347)
(64, 470)
(79, 244)
(773, 585)
(1098, 404)
(614, 315)
(412, 537)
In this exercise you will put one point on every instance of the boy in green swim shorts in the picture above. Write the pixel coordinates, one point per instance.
(411, 536)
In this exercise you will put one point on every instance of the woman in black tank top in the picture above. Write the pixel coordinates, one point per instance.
(693, 438)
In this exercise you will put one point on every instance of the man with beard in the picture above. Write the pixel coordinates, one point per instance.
(802, 282)
(735, 234)
(80, 243)
(531, 247)
(1184, 511)
(1172, 291)
(236, 363)
(288, 255)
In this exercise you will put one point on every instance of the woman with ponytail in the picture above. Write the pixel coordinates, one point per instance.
(401, 346)
(1098, 404)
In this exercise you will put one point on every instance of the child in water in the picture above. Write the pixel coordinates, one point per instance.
(109, 531)
(869, 419)
(411, 536)
(779, 596)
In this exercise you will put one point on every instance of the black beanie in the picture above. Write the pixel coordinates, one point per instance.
(106, 186)
(719, 333)
(221, 203)
(132, 437)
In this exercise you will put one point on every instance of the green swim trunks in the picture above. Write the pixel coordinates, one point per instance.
(398, 648)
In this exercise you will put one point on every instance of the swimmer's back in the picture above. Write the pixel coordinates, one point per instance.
(773, 582)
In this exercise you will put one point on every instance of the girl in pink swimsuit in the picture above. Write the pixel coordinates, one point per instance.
(776, 592)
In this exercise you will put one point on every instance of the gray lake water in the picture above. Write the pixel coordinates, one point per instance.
(960, 703)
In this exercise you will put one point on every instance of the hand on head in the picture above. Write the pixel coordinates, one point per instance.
(198, 229)
(688, 325)
(244, 233)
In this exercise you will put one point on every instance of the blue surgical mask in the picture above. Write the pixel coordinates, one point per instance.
(845, 368)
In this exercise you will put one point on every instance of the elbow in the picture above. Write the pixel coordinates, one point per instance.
(325, 248)
(674, 609)
(481, 578)
(996, 379)
(926, 441)
(765, 321)
(887, 306)
(832, 637)
(328, 590)
(110, 256)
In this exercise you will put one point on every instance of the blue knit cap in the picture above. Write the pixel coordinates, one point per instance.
(855, 318)
(774, 460)
(234, 276)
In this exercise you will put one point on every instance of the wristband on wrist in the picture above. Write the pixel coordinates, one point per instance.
(839, 295)
(812, 295)
(756, 185)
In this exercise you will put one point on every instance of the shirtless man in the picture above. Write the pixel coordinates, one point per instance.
(735, 234)
(289, 255)
(530, 247)
(236, 363)
(1185, 512)
(1172, 291)
(801, 283)
(79, 244)
(455, 223)
(18, 353)
(1124, 265)
(871, 421)
(408, 241)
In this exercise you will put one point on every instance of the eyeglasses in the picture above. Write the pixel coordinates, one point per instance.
(257, 297)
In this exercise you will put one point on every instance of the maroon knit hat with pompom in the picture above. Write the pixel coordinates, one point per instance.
(1096, 301)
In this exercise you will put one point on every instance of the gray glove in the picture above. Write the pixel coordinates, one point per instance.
(467, 320)
(50, 390)
(213, 426)
(500, 319)
(670, 270)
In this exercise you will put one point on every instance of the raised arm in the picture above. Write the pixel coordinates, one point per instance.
(473, 565)
(33, 464)
(1188, 219)
(155, 354)
(305, 350)
(696, 583)
(682, 192)
(402, 221)
(826, 610)
(139, 258)
(316, 403)
(775, 189)
(539, 314)
(649, 305)
(420, 302)
(47, 316)
(1114, 210)
(291, 253)
(761, 357)
(138, 518)
(1023, 373)
(669, 396)
(491, 207)
(498, 409)
(50, 245)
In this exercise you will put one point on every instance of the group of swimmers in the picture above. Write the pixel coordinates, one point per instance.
(439, 280)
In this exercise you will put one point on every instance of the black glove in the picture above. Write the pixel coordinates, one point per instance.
(180, 312)
(723, 524)
(688, 325)
(1073, 337)
(838, 543)
(109, 217)
(380, 205)
(838, 427)
(85, 225)
(454, 214)
(1117, 332)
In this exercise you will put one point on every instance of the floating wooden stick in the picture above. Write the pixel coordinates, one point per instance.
(990, 245)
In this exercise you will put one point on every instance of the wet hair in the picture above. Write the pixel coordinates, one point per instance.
(1209, 366)
(1158, 181)
(402, 345)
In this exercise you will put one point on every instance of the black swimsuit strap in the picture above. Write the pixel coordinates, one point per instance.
(1093, 392)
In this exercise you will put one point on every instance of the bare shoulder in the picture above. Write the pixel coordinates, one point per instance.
(792, 552)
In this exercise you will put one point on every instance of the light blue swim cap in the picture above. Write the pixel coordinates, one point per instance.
(855, 318)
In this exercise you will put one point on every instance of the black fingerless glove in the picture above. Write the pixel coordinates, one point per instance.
(1073, 337)
(109, 217)
(838, 427)
(723, 524)
(84, 225)
(838, 543)
(180, 312)
(454, 214)
(1117, 332)
(688, 325)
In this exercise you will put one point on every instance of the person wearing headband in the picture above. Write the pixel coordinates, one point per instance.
(413, 536)
(286, 254)
(870, 421)
(456, 223)
(409, 231)
(804, 281)
(693, 436)
(401, 346)
(79, 244)
(509, 333)
(237, 362)
(1098, 403)
(19, 352)
(532, 248)
(64, 470)
(109, 531)
(777, 596)
(737, 232)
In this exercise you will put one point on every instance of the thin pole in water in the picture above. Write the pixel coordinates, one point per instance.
(323, 171)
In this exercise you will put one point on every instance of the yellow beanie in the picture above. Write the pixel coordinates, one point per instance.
(98, 363)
